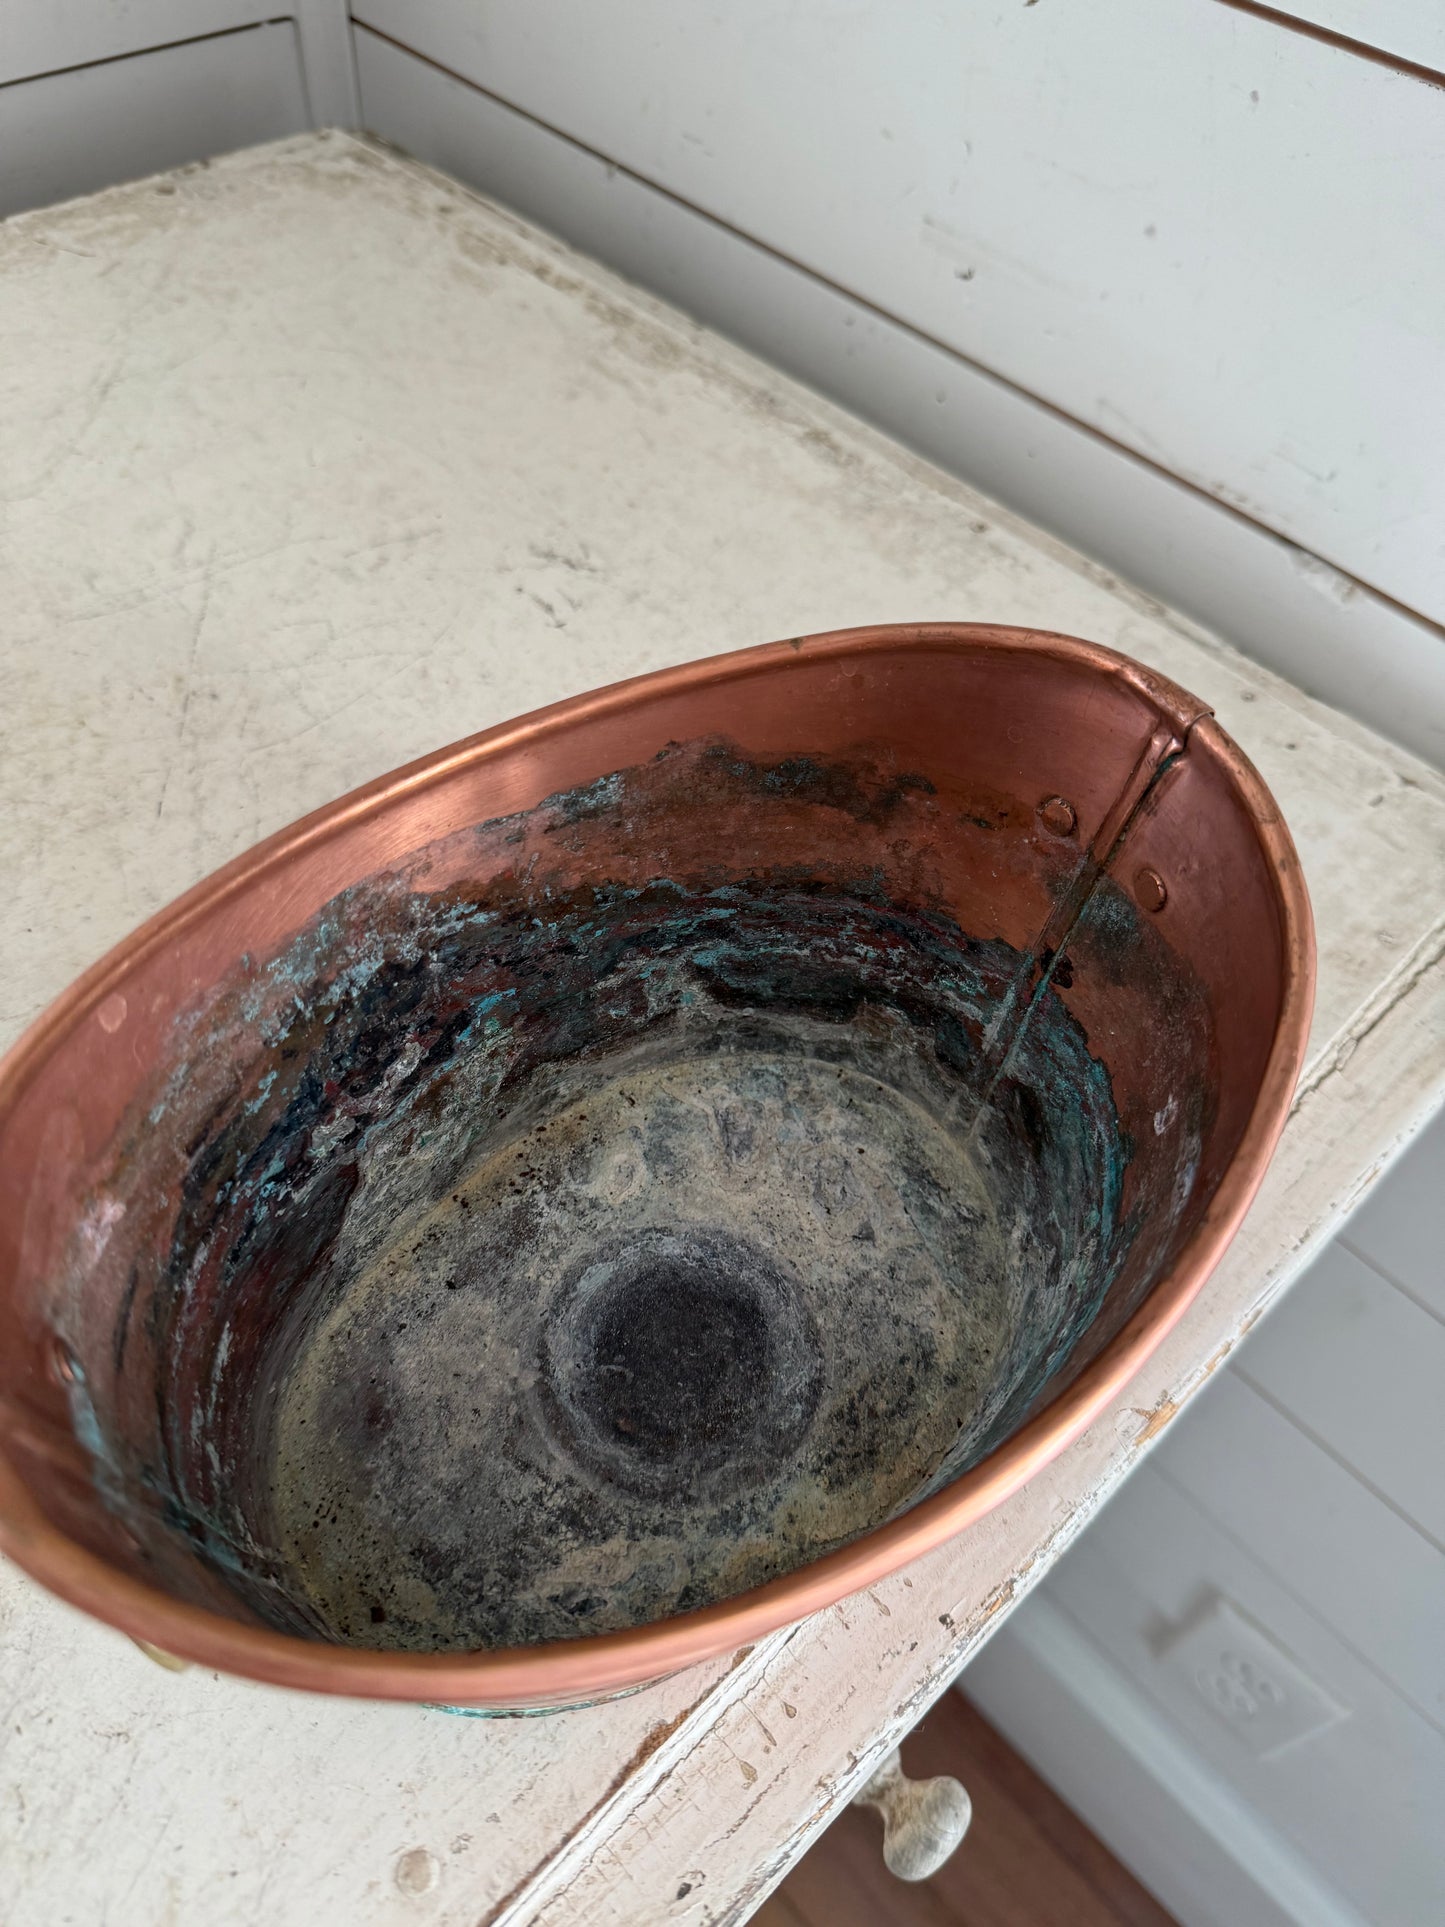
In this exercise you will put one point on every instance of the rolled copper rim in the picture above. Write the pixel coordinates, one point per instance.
(567, 1671)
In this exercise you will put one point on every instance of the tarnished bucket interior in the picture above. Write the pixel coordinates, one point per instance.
(617, 1163)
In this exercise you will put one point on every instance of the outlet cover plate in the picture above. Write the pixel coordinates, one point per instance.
(1231, 1669)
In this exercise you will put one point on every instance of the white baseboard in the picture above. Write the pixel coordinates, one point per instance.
(1196, 1845)
(89, 126)
(1327, 633)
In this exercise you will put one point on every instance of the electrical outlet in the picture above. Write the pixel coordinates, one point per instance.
(1234, 1670)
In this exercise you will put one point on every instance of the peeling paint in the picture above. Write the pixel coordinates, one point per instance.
(1155, 1421)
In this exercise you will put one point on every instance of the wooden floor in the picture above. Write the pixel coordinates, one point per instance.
(1028, 1861)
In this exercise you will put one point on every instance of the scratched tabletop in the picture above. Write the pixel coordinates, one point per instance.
(312, 461)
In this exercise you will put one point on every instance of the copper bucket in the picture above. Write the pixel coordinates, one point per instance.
(624, 1182)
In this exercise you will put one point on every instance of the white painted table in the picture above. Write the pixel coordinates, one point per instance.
(311, 462)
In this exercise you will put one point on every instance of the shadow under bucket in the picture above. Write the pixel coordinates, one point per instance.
(587, 1193)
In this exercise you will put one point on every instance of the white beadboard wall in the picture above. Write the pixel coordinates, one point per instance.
(98, 91)
(1162, 274)
(1166, 218)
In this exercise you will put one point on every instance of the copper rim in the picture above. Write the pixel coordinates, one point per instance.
(593, 1666)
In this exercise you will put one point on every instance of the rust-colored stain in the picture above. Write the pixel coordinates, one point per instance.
(1155, 1421)
(648, 1745)
(1000, 1598)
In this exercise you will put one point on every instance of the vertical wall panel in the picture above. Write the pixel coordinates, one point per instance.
(1361, 1367)
(43, 36)
(73, 132)
(1400, 1228)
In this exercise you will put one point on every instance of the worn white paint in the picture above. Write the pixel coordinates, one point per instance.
(315, 463)
(1279, 603)
(142, 1798)
(1214, 240)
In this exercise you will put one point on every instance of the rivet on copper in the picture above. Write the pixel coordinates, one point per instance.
(1150, 890)
(1058, 816)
